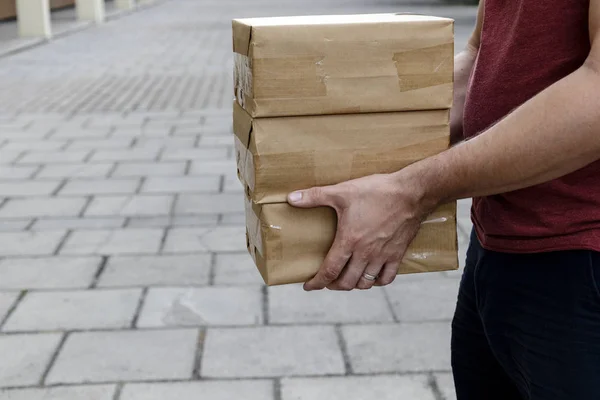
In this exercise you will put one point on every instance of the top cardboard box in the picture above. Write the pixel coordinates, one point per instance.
(317, 65)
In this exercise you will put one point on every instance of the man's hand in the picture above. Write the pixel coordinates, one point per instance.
(378, 217)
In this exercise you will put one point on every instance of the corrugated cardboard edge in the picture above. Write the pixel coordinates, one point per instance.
(242, 79)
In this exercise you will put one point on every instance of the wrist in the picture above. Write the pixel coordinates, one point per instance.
(423, 183)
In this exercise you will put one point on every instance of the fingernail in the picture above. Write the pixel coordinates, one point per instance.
(295, 197)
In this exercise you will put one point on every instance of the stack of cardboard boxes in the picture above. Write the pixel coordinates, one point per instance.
(324, 99)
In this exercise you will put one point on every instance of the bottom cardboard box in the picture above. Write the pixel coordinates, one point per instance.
(289, 244)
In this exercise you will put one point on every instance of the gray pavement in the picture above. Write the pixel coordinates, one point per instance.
(123, 272)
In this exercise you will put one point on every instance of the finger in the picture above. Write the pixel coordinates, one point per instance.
(309, 198)
(373, 270)
(388, 273)
(350, 275)
(330, 270)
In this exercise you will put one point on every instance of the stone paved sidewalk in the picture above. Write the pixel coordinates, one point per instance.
(123, 272)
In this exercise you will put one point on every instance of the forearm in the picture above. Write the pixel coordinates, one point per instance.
(553, 134)
(463, 65)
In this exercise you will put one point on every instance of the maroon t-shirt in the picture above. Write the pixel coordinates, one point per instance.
(526, 46)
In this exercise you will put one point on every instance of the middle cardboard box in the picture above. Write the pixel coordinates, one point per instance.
(276, 156)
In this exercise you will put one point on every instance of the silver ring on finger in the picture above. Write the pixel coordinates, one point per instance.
(369, 277)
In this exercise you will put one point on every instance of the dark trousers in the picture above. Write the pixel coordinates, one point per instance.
(527, 326)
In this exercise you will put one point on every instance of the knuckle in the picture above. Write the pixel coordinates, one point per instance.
(386, 280)
(330, 273)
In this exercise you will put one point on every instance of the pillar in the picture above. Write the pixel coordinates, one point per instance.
(125, 4)
(90, 10)
(33, 18)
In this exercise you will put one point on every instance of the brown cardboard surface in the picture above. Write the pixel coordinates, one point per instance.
(276, 156)
(343, 64)
(289, 244)
(8, 9)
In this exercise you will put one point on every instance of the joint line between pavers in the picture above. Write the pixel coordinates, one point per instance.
(99, 272)
(141, 184)
(265, 304)
(118, 390)
(62, 242)
(163, 240)
(344, 349)
(60, 187)
(277, 389)
(212, 272)
(12, 308)
(221, 184)
(88, 201)
(197, 371)
(53, 358)
(389, 305)
(433, 385)
(112, 170)
(37, 171)
(139, 307)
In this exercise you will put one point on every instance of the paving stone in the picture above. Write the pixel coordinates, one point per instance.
(137, 132)
(130, 205)
(89, 392)
(97, 144)
(100, 186)
(156, 271)
(208, 306)
(9, 156)
(215, 140)
(116, 241)
(232, 185)
(29, 243)
(42, 207)
(181, 184)
(47, 272)
(271, 352)
(35, 145)
(25, 357)
(14, 225)
(210, 204)
(412, 387)
(210, 390)
(290, 304)
(233, 219)
(150, 169)
(169, 142)
(225, 167)
(78, 223)
(7, 299)
(133, 356)
(16, 172)
(78, 133)
(141, 154)
(427, 300)
(399, 348)
(211, 239)
(214, 153)
(28, 188)
(98, 170)
(48, 157)
(236, 269)
(172, 221)
(445, 383)
(69, 310)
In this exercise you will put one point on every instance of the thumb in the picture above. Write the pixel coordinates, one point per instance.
(314, 197)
